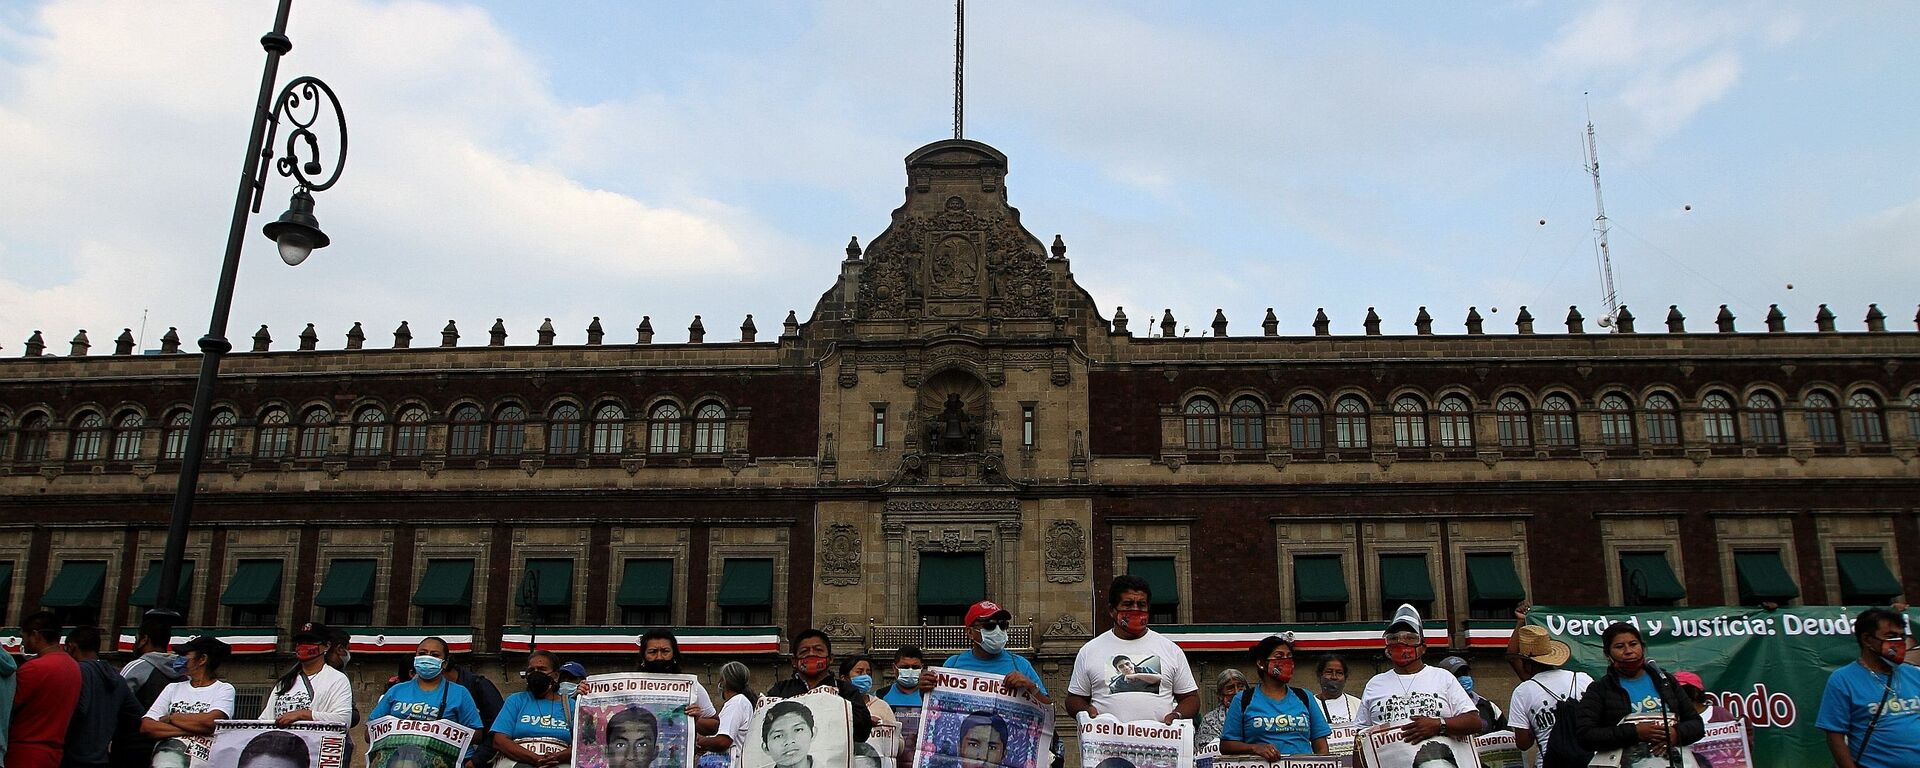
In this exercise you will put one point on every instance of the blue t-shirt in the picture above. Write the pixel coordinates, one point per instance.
(1289, 724)
(894, 697)
(1852, 697)
(1641, 695)
(525, 717)
(407, 702)
(1000, 664)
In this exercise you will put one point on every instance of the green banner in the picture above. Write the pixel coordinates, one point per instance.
(1768, 667)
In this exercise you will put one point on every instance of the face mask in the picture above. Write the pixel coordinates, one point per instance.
(1403, 655)
(179, 664)
(309, 651)
(1466, 681)
(1135, 622)
(659, 666)
(428, 667)
(862, 683)
(1331, 686)
(345, 656)
(1280, 669)
(910, 678)
(1631, 668)
(993, 640)
(569, 689)
(813, 666)
(538, 683)
(1894, 651)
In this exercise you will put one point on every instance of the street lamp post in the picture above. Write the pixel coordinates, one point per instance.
(296, 233)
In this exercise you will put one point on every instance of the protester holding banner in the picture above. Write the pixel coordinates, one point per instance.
(535, 726)
(1536, 659)
(1632, 686)
(1871, 709)
(1274, 718)
(186, 711)
(736, 711)
(1339, 706)
(311, 690)
(1226, 687)
(858, 671)
(1429, 701)
(1130, 671)
(106, 711)
(813, 668)
(660, 655)
(905, 690)
(987, 624)
(428, 694)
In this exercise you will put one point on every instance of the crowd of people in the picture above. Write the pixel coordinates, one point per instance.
(69, 708)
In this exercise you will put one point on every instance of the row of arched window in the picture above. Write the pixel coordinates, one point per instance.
(278, 434)
(1520, 424)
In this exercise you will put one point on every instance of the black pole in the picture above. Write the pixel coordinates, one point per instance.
(166, 605)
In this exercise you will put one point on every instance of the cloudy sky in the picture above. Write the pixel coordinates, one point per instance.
(603, 157)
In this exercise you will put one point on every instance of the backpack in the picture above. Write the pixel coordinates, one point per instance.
(1563, 743)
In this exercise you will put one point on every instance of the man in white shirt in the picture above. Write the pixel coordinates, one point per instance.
(1423, 701)
(1130, 671)
(1536, 658)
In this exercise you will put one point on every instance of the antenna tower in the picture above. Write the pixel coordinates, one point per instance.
(1611, 297)
(959, 64)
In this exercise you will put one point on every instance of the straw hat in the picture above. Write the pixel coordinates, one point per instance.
(1536, 645)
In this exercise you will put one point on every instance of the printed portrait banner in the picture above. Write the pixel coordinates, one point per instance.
(1724, 746)
(261, 744)
(396, 743)
(1342, 739)
(812, 730)
(183, 752)
(1643, 755)
(1108, 743)
(1768, 668)
(634, 720)
(1388, 748)
(972, 720)
(540, 746)
(1499, 750)
(1289, 761)
(909, 718)
(884, 744)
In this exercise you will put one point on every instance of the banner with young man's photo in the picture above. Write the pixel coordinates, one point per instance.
(1499, 750)
(1769, 668)
(261, 744)
(634, 720)
(812, 730)
(1106, 742)
(973, 720)
(396, 743)
(1387, 747)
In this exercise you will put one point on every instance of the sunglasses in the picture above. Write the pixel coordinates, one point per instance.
(992, 624)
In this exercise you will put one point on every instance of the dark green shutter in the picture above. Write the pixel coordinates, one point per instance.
(77, 585)
(445, 584)
(1319, 579)
(1491, 578)
(349, 584)
(1762, 577)
(1864, 574)
(646, 584)
(148, 590)
(746, 583)
(1161, 575)
(555, 587)
(1403, 579)
(255, 583)
(1651, 575)
(952, 579)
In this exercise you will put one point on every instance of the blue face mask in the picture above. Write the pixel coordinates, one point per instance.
(569, 689)
(428, 667)
(1466, 681)
(179, 664)
(993, 641)
(862, 683)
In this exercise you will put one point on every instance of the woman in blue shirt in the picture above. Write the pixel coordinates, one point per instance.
(539, 712)
(428, 696)
(1274, 718)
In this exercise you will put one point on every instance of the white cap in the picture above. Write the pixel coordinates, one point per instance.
(1409, 618)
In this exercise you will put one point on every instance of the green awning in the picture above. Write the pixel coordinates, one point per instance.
(349, 584)
(1650, 575)
(1865, 574)
(746, 583)
(957, 579)
(78, 585)
(1319, 579)
(255, 583)
(646, 584)
(1161, 577)
(546, 583)
(446, 584)
(148, 590)
(1491, 578)
(1762, 577)
(1403, 579)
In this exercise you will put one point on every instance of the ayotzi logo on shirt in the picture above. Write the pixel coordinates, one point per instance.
(415, 709)
(1130, 675)
(1280, 722)
(1906, 706)
(1648, 704)
(543, 721)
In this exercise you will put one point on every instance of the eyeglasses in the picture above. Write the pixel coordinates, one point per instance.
(1404, 638)
(525, 672)
(984, 624)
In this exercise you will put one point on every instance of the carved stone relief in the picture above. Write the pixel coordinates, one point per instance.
(1066, 550)
(840, 555)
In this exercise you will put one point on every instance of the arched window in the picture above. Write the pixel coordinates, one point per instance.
(5, 437)
(1556, 422)
(1350, 422)
(1823, 418)
(1616, 420)
(411, 438)
(274, 438)
(709, 428)
(1913, 415)
(173, 441)
(128, 431)
(563, 430)
(316, 432)
(1716, 410)
(1305, 424)
(1662, 420)
(370, 432)
(89, 431)
(1515, 432)
(663, 429)
(225, 432)
(509, 430)
(1863, 419)
(1409, 422)
(1247, 424)
(33, 438)
(1203, 424)
(465, 432)
(609, 429)
(1763, 419)
(1456, 422)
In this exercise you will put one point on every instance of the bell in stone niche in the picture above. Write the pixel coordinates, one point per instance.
(953, 412)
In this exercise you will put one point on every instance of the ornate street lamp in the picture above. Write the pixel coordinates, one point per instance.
(297, 233)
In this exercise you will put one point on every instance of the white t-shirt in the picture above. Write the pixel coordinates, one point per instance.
(1132, 679)
(735, 715)
(704, 702)
(183, 698)
(1340, 711)
(328, 693)
(1392, 697)
(1534, 700)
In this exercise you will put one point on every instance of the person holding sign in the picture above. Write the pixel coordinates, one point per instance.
(1871, 709)
(1633, 686)
(186, 710)
(538, 713)
(660, 655)
(736, 712)
(987, 624)
(1275, 718)
(428, 695)
(813, 668)
(311, 690)
(1130, 671)
(1427, 699)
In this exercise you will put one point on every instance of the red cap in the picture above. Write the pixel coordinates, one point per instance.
(987, 609)
(1689, 678)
